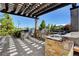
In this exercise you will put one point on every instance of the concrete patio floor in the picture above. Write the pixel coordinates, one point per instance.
(17, 47)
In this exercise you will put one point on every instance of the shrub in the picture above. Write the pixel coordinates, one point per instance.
(17, 34)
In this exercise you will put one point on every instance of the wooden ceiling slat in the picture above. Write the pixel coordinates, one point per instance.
(26, 4)
(22, 8)
(18, 8)
(37, 5)
(5, 8)
(43, 6)
(52, 8)
(10, 7)
(15, 7)
(24, 12)
(2, 6)
(30, 7)
(47, 8)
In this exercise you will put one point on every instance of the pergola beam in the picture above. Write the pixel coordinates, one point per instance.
(47, 8)
(32, 10)
(17, 14)
(52, 8)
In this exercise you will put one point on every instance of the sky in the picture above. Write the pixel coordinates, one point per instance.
(59, 17)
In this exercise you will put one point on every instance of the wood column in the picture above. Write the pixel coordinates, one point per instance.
(35, 33)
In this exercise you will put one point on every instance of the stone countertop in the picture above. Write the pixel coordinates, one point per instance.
(56, 37)
(72, 35)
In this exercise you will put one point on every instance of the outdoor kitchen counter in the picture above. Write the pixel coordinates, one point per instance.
(58, 47)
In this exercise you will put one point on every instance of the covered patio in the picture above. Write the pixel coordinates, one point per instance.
(34, 10)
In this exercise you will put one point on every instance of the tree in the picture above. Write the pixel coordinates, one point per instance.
(59, 27)
(67, 28)
(7, 26)
(48, 28)
(42, 25)
(53, 27)
(27, 28)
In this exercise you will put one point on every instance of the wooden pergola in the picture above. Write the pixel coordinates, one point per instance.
(31, 10)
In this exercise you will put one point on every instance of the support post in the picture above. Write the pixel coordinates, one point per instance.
(35, 32)
(75, 18)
